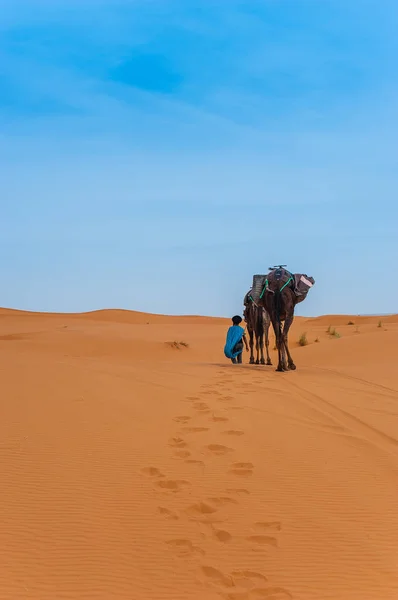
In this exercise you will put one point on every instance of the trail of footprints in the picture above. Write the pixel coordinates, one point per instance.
(239, 584)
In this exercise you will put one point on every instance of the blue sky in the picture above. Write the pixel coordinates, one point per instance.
(155, 154)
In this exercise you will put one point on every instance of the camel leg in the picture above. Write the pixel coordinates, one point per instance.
(278, 339)
(283, 352)
(287, 325)
(266, 333)
(259, 336)
(257, 349)
(282, 349)
(277, 306)
(251, 344)
(262, 360)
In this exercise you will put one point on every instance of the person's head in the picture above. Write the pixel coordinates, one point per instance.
(237, 320)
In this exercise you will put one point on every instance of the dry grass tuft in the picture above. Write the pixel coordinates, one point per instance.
(303, 341)
(177, 345)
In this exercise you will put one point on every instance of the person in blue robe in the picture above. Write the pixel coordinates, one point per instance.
(235, 339)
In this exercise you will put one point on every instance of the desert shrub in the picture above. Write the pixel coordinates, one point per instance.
(334, 333)
(303, 341)
(177, 345)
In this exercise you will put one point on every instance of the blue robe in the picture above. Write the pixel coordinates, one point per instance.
(234, 336)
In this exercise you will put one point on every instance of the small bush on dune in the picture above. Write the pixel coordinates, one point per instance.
(332, 332)
(350, 323)
(303, 341)
(177, 345)
(317, 340)
(380, 325)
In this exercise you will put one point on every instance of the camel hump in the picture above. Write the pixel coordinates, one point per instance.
(280, 276)
(300, 283)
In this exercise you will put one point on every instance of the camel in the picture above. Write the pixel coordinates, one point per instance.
(258, 322)
(278, 293)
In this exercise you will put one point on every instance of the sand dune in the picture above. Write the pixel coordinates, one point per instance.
(138, 464)
(117, 316)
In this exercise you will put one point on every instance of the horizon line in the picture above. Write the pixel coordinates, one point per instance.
(140, 312)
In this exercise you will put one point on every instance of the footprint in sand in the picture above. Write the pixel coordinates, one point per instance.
(184, 547)
(201, 406)
(248, 579)
(219, 419)
(222, 500)
(236, 432)
(168, 514)
(172, 485)
(152, 472)
(192, 398)
(177, 442)
(226, 398)
(218, 449)
(199, 463)
(182, 419)
(242, 469)
(222, 536)
(270, 593)
(218, 577)
(195, 429)
(182, 454)
(263, 540)
(252, 582)
(238, 491)
(268, 526)
(201, 510)
(237, 579)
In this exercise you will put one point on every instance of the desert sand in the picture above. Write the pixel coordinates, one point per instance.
(137, 468)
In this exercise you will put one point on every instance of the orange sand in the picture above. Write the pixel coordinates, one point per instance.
(134, 470)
